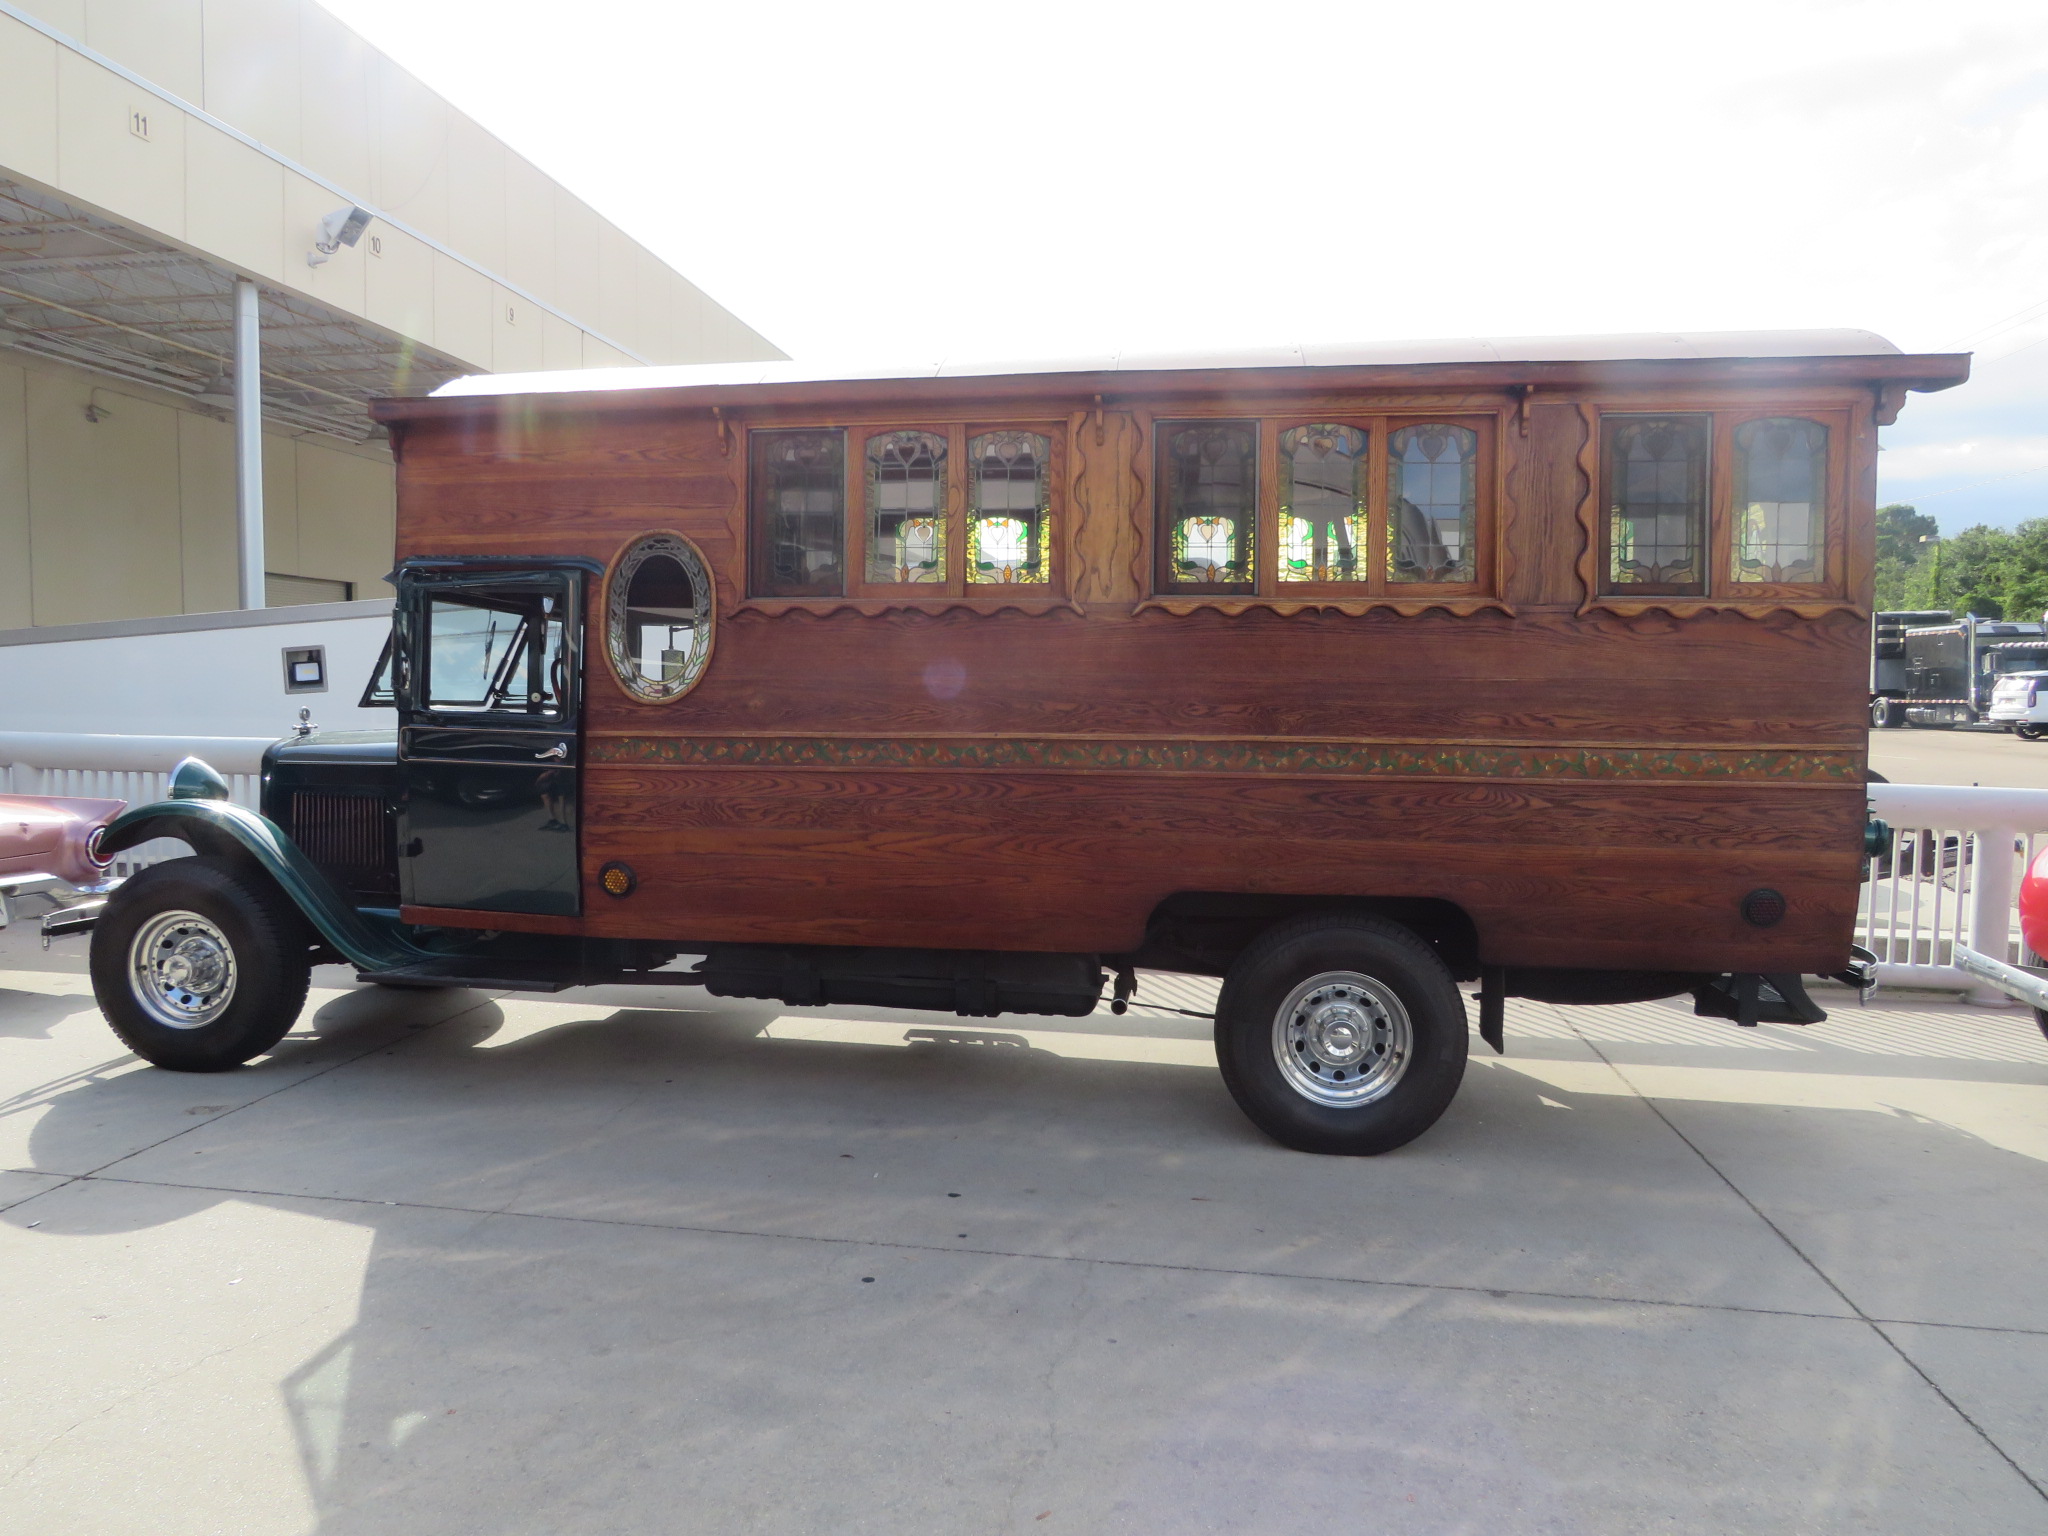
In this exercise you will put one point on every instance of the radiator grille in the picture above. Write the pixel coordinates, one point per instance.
(351, 838)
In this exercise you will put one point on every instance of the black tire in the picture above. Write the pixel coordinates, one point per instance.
(235, 937)
(2041, 1020)
(1405, 1099)
(2027, 732)
(1884, 714)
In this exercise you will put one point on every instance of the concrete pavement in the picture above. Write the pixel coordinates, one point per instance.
(1975, 755)
(612, 1262)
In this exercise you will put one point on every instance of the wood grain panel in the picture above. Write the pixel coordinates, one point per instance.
(639, 801)
(1546, 486)
(1721, 678)
(1005, 861)
(1594, 872)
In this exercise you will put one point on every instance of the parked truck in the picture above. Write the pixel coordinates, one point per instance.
(1938, 670)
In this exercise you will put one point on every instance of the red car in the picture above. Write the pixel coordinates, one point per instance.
(47, 844)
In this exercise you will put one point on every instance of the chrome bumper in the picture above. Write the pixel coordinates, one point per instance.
(2029, 986)
(66, 921)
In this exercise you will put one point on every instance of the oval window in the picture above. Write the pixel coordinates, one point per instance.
(659, 617)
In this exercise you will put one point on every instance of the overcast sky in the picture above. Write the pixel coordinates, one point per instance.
(972, 181)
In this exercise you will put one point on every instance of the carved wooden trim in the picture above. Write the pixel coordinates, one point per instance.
(1497, 536)
(1142, 515)
(1293, 758)
(1461, 606)
(984, 601)
(1692, 607)
(1101, 530)
(1588, 458)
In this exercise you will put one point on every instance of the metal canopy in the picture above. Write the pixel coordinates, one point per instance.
(84, 290)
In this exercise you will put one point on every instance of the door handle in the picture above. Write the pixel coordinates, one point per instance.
(557, 753)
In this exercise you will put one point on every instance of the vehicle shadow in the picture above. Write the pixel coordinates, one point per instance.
(29, 1015)
(627, 1370)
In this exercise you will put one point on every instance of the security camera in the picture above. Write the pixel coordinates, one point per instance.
(344, 226)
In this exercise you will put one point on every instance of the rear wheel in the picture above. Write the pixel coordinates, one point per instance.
(1341, 1034)
(2028, 732)
(199, 967)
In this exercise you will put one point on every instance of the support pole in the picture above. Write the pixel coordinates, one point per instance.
(1991, 901)
(248, 444)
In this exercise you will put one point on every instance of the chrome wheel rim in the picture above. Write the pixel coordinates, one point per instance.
(181, 969)
(1342, 1039)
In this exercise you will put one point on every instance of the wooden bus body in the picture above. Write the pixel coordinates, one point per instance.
(1558, 768)
(1346, 675)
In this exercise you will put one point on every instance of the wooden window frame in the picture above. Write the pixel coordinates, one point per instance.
(1485, 429)
(1267, 566)
(1052, 537)
(1261, 541)
(1719, 588)
(1378, 588)
(952, 492)
(1722, 581)
(955, 591)
(1604, 508)
(756, 541)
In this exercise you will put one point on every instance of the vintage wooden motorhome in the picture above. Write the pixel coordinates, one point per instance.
(1345, 674)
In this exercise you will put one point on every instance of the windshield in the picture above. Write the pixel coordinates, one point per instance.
(494, 653)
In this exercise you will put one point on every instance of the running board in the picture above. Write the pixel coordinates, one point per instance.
(497, 975)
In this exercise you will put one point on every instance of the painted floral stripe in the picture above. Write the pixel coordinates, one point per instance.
(1239, 757)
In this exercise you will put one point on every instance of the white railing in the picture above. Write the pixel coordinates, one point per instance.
(1949, 879)
(132, 768)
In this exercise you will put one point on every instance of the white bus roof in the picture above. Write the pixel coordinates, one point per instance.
(1661, 346)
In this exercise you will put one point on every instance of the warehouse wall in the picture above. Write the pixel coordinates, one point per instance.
(133, 515)
(290, 75)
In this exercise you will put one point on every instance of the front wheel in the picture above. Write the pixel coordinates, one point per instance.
(1884, 714)
(199, 967)
(1341, 1034)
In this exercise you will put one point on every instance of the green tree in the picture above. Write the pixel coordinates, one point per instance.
(1893, 578)
(1982, 570)
(1900, 528)
(1975, 572)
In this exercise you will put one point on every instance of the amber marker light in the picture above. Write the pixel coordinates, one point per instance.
(617, 879)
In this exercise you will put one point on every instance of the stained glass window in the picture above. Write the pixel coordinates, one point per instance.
(1008, 507)
(1656, 502)
(1432, 503)
(1322, 504)
(907, 507)
(659, 613)
(1781, 473)
(1209, 486)
(799, 513)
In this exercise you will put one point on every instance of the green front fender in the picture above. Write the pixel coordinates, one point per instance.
(370, 940)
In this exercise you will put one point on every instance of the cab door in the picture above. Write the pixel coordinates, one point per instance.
(488, 745)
